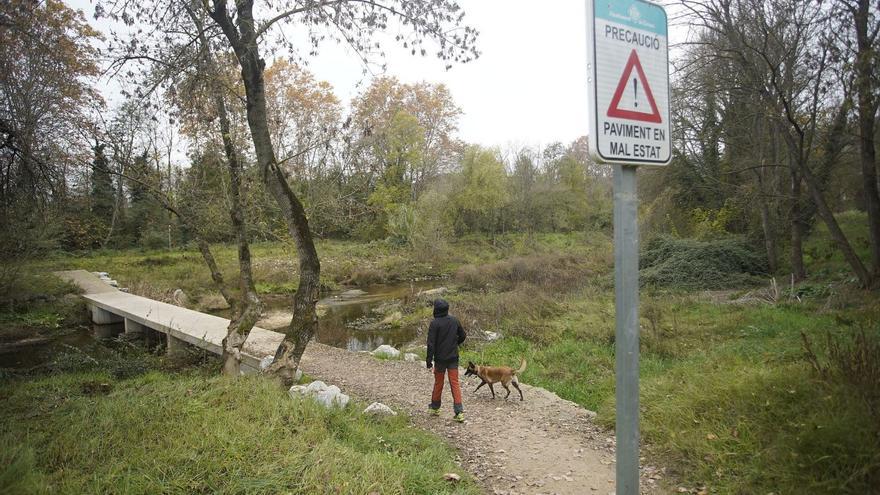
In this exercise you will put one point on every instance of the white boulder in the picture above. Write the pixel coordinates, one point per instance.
(297, 391)
(379, 409)
(315, 387)
(410, 357)
(326, 395)
(332, 397)
(386, 350)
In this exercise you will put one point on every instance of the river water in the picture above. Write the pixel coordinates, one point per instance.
(346, 320)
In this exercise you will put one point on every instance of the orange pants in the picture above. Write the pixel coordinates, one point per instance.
(437, 393)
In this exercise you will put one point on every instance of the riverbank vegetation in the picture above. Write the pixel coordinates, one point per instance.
(761, 384)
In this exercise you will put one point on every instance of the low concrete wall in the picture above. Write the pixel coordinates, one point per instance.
(133, 327)
(101, 316)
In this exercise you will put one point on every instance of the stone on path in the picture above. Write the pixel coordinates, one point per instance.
(105, 277)
(386, 350)
(410, 357)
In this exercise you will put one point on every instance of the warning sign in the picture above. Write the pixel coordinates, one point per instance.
(629, 82)
(615, 109)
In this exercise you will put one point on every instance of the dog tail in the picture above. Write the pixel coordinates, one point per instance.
(522, 365)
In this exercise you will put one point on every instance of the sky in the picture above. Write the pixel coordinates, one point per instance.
(528, 87)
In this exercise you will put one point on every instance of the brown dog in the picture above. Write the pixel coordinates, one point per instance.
(495, 374)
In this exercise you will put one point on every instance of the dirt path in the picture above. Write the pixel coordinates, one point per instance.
(543, 445)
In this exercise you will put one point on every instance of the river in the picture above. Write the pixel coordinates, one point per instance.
(348, 319)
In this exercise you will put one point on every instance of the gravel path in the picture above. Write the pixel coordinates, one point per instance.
(543, 445)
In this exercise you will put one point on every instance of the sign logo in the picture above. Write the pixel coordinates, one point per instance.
(634, 13)
(626, 78)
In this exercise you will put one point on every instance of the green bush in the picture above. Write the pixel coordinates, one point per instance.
(554, 272)
(693, 264)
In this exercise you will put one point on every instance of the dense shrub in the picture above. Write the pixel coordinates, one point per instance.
(549, 271)
(692, 264)
(522, 312)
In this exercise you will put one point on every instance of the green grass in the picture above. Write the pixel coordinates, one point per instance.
(192, 432)
(728, 400)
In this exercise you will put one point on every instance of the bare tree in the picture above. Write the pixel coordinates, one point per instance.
(864, 24)
(786, 41)
(244, 30)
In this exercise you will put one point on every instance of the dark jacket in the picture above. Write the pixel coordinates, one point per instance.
(444, 335)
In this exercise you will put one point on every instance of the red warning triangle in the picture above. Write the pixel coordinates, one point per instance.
(615, 111)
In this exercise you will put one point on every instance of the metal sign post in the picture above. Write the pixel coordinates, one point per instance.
(626, 308)
(628, 66)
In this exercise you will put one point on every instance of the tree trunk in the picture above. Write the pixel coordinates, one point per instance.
(798, 272)
(767, 226)
(305, 320)
(251, 306)
(216, 276)
(248, 312)
(833, 227)
(867, 116)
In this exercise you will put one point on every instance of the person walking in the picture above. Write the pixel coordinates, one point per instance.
(445, 334)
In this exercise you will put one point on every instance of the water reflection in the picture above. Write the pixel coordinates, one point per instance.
(341, 310)
(39, 351)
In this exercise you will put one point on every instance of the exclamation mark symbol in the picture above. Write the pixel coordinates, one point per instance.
(636, 92)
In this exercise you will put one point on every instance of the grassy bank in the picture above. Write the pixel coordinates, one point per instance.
(729, 399)
(157, 273)
(193, 432)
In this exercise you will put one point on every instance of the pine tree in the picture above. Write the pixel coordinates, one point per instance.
(102, 194)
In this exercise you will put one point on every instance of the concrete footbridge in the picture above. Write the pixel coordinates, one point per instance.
(182, 327)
